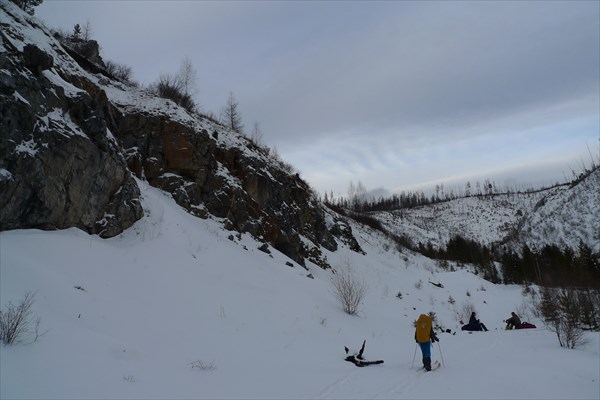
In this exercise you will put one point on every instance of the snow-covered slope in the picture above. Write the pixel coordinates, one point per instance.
(485, 219)
(562, 216)
(566, 217)
(173, 308)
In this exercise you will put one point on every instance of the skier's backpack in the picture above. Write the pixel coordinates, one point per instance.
(423, 328)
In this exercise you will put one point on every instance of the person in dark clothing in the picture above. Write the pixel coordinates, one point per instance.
(474, 324)
(474, 321)
(513, 321)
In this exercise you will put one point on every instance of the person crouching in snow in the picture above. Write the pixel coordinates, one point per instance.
(513, 321)
(424, 336)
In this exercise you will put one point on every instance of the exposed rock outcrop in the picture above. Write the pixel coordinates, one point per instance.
(59, 165)
(36, 59)
(232, 181)
(72, 139)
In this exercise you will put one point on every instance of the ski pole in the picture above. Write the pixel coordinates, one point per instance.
(441, 355)
(414, 355)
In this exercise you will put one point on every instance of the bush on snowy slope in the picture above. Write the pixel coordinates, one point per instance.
(172, 87)
(568, 312)
(348, 288)
(16, 320)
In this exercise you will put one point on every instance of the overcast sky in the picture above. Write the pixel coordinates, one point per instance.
(397, 95)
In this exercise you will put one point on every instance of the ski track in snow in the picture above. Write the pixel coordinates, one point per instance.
(397, 390)
(391, 381)
(330, 391)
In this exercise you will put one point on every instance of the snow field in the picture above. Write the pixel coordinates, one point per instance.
(173, 292)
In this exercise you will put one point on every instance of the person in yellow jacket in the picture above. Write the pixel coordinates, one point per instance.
(424, 336)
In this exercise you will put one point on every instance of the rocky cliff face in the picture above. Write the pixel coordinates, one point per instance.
(59, 165)
(73, 140)
(210, 171)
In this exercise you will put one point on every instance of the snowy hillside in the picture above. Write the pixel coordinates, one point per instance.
(567, 216)
(173, 308)
(562, 216)
(485, 219)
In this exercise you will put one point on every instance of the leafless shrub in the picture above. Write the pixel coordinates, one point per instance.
(16, 320)
(86, 30)
(433, 316)
(348, 289)
(589, 301)
(187, 77)
(211, 116)
(443, 264)
(525, 312)
(287, 167)
(561, 311)
(170, 87)
(527, 290)
(231, 116)
(120, 72)
(60, 33)
(256, 135)
(274, 153)
(464, 314)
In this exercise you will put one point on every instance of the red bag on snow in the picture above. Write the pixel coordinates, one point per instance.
(525, 325)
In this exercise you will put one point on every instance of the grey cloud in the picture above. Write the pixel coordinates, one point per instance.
(360, 88)
(478, 65)
(304, 69)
